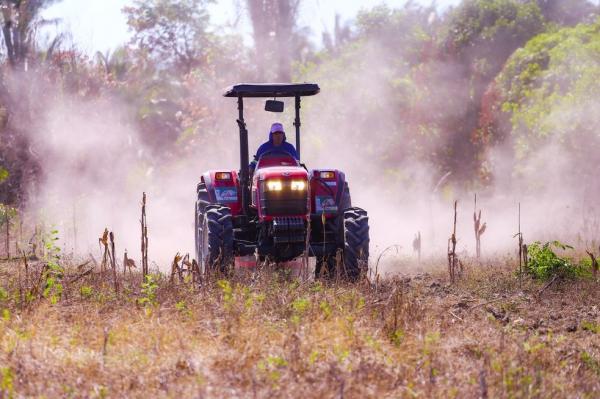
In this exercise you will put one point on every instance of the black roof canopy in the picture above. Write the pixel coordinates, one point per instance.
(272, 90)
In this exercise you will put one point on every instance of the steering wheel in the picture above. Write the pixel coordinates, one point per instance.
(276, 151)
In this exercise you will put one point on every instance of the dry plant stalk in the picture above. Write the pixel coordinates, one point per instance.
(7, 216)
(452, 258)
(185, 268)
(522, 250)
(26, 264)
(417, 245)
(144, 225)
(306, 248)
(128, 263)
(594, 264)
(196, 275)
(103, 242)
(479, 229)
(113, 262)
(175, 268)
(33, 241)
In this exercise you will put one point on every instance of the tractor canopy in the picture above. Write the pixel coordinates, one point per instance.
(272, 90)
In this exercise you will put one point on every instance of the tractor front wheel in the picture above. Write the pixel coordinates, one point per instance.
(356, 242)
(214, 238)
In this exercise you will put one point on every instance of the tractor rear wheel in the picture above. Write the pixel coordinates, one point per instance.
(214, 237)
(356, 242)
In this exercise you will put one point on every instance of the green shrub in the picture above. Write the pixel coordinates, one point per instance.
(149, 287)
(86, 291)
(544, 263)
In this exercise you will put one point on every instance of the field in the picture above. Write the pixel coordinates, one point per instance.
(268, 335)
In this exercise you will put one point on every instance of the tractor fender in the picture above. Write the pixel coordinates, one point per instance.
(336, 188)
(343, 199)
(205, 189)
(224, 192)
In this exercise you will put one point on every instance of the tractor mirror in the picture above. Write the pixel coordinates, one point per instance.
(274, 106)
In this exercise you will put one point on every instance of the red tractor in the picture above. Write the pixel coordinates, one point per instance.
(283, 209)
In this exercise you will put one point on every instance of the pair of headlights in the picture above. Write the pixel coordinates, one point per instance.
(277, 185)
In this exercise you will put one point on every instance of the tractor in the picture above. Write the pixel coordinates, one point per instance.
(282, 210)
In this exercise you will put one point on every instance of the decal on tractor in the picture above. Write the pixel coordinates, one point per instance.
(325, 203)
(226, 195)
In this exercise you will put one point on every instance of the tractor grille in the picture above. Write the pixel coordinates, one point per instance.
(284, 203)
(288, 230)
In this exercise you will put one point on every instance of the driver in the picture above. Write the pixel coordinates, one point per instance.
(276, 142)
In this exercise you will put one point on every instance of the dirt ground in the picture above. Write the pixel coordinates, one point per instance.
(267, 335)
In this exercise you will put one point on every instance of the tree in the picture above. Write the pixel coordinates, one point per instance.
(20, 19)
(549, 91)
(478, 38)
(277, 39)
(568, 12)
(174, 33)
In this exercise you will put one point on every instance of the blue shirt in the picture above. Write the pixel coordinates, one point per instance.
(269, 146)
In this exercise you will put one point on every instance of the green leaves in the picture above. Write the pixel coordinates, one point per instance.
(545, 263)
(53, 272)
(3, 174)
(149, 287)
(548, 89)
(173, 33)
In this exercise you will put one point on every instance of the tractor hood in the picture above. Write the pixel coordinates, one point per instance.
(282, 172)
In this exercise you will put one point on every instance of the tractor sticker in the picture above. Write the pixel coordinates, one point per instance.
(325, 203)
(226, 194)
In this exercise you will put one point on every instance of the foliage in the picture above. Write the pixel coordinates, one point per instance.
(7, 213)
(149, 287)
(544, 263)
(7, 382)
(591, 362)
(481, 23)
(591, 326)
(549, 91)
(172, 33)
(54, 272)
(86, 291)
(277, 38)
(3, 174)
(21, 21)
(567, 12)
(414, 78)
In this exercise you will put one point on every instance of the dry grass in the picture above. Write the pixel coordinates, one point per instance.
(269, 336)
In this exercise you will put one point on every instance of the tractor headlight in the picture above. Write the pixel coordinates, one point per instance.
(274, 185)
(298, 185)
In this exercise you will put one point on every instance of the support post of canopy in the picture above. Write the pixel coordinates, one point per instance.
(244, 158)
(297, 125)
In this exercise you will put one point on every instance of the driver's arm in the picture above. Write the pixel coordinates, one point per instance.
(292, 150)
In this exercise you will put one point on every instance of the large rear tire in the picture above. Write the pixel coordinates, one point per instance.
(214, 238)
(356, 243)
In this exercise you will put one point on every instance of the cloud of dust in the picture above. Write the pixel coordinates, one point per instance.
(349, 126)
(96, 168)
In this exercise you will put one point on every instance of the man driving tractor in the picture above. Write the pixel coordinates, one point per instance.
(276, 142)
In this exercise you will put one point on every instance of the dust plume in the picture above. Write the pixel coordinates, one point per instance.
(406, 159)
